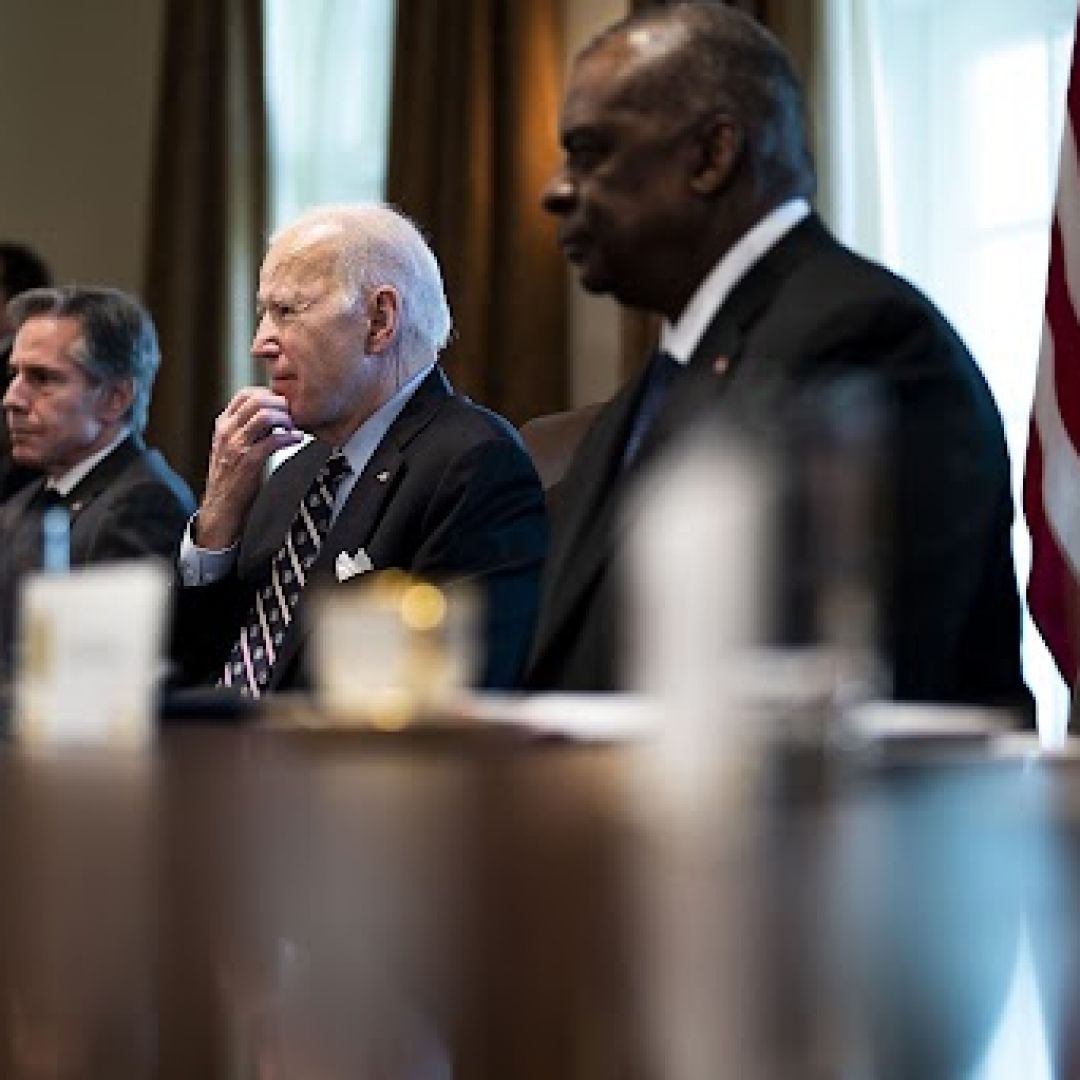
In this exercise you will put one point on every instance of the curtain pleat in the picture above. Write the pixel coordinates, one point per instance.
(208, 210)
(473, 141)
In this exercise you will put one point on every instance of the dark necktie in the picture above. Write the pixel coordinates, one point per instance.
(251, 661)
(47, 498)
(663, 367)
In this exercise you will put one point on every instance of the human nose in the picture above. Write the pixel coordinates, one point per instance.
(15, 394)
(559, 194)
(264, 344)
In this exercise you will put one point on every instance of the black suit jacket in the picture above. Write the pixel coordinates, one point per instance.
(131, 504)
(809, 313)
(449, 495)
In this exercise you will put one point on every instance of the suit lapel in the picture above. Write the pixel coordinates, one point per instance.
(593, 523)
(699, 386)
(276, 508)
(719, 363)
(103, 475)
(89, 488)
(584, 536)
(364, 508)
(361, 514)
(20, 530)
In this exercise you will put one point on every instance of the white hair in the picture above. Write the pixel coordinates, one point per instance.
(377, 246)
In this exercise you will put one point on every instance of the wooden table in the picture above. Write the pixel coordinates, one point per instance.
(348, 904)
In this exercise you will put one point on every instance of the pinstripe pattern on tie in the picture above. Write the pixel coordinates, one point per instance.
(251, 660)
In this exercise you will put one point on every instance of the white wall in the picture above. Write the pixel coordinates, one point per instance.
(78, 86)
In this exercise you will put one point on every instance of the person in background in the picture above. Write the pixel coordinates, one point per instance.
(685, 192)
(401, 471)
(82, 369)
(20, 269)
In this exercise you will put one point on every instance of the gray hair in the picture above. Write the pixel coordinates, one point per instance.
(377, 246)
(118, 339)
(728, 62)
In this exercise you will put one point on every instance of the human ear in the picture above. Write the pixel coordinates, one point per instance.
(720, 147)
(384, 309)
(116, 399)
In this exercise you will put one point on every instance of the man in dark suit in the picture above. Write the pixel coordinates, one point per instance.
(82, 368)
(684, 192)
(401, 473)
(20, 270)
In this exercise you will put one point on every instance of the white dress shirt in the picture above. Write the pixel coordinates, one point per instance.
(202, 566)
(681, 337)
(65, 484)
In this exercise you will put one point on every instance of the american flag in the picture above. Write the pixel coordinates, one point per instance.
(1052, 470)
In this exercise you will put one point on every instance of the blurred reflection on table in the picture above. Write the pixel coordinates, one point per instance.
(489, 901)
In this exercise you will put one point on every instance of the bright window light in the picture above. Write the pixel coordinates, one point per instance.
(329, 67)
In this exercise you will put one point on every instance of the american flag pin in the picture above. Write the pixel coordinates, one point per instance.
(382, 477)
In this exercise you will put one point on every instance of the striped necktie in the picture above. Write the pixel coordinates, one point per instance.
(252, 658)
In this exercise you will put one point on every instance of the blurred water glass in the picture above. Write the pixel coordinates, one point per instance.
(393, 649)
(936, 856)
(89, 652)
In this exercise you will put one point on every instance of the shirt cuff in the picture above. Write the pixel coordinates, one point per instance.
(203, 566)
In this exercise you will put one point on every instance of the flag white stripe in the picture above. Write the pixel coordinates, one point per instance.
(1067, 211)
(1061, 463)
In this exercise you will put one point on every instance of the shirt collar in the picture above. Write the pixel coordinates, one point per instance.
(362, 443)
(681, 338)
(65, 484)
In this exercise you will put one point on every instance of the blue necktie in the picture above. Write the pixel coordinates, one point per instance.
(663, 367)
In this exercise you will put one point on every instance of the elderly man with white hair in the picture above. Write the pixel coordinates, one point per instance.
(401, 472)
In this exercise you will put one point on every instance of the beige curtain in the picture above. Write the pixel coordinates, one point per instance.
(473, 141)
(207, 226)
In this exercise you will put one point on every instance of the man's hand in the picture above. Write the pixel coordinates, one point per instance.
(254, 424)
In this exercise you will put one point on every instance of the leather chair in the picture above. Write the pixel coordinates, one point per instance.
(553, 439)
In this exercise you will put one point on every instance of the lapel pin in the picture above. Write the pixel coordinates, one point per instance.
(382, 477)
(720, 364)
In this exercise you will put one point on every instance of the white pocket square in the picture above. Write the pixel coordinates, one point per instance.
(347, 566)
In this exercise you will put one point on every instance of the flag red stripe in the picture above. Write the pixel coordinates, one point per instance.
(1072, 95)
(1065, 331)
(1052, 593)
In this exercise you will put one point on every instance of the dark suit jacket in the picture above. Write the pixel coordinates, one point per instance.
(808, 313)
(131, 504)
(448, 495)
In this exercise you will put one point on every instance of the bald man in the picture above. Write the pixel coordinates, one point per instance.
(685, 192)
